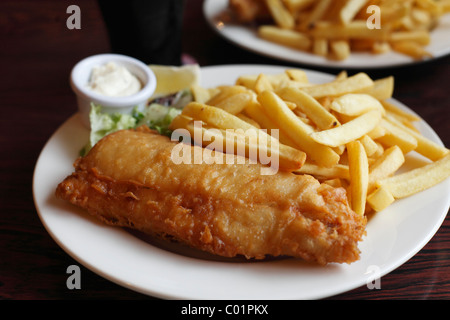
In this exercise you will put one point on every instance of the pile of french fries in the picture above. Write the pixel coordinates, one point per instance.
(344, 132)
(335, 28)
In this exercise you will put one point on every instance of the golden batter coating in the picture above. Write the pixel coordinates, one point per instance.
(129, 180)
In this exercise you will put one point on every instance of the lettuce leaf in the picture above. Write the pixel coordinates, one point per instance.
(103, 124)
(155, 116)
(158, 117)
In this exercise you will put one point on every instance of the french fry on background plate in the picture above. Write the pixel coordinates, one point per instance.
(286, 37)
(350, 10)
(340, 49)
(281, 14)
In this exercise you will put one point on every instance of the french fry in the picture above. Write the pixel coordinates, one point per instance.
(396, 136)
(244, 145)
(339, 150)
(403, 121)
(297, 130)
(421, 17)
(376, 133)
(225, 92)
(214, 116)
(297, 5)
(255, 112)
(293, 106)
(222, 120)
(421, 37)
(355, 104)
(392, 108)
(338, 171)
(359, 82)
(444, 6)
(394, 13)
(249, 81)
(418, 179)
(180, 122)
(283, 18)
(320, 46)
(353, 30)
(382, 89)
(425, 146)
(380, 199)
(379, 151)
(363, 45)
(349, 131)
(249, 120)
(285, 37)
(277, 79)
(317, 12)
(350, 9)
(297, 75)
(245, 142)
(342, 75)
(411, 49)
(429, 5)
(359, 176)
(310, 107)
(234, 104)
(262, 83)
(219, 118)
(340, 49)
(369, 145)
(385, 166)
(380, 47)
(200, 94)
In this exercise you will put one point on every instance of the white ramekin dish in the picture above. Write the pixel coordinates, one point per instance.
(79, 79)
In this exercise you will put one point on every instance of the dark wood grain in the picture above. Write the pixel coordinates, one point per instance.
(38, 52)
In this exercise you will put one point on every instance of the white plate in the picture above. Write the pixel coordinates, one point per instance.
(247, 38)
(167, 271)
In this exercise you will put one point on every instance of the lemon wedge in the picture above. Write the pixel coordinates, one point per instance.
(171, 79)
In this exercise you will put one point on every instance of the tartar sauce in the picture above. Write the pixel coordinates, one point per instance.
(113, 80)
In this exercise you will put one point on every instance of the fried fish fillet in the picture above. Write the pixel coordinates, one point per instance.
(128, 179)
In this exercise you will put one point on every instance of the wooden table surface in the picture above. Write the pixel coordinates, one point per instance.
(38, 52)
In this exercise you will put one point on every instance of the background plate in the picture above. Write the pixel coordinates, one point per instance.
(246, 37)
